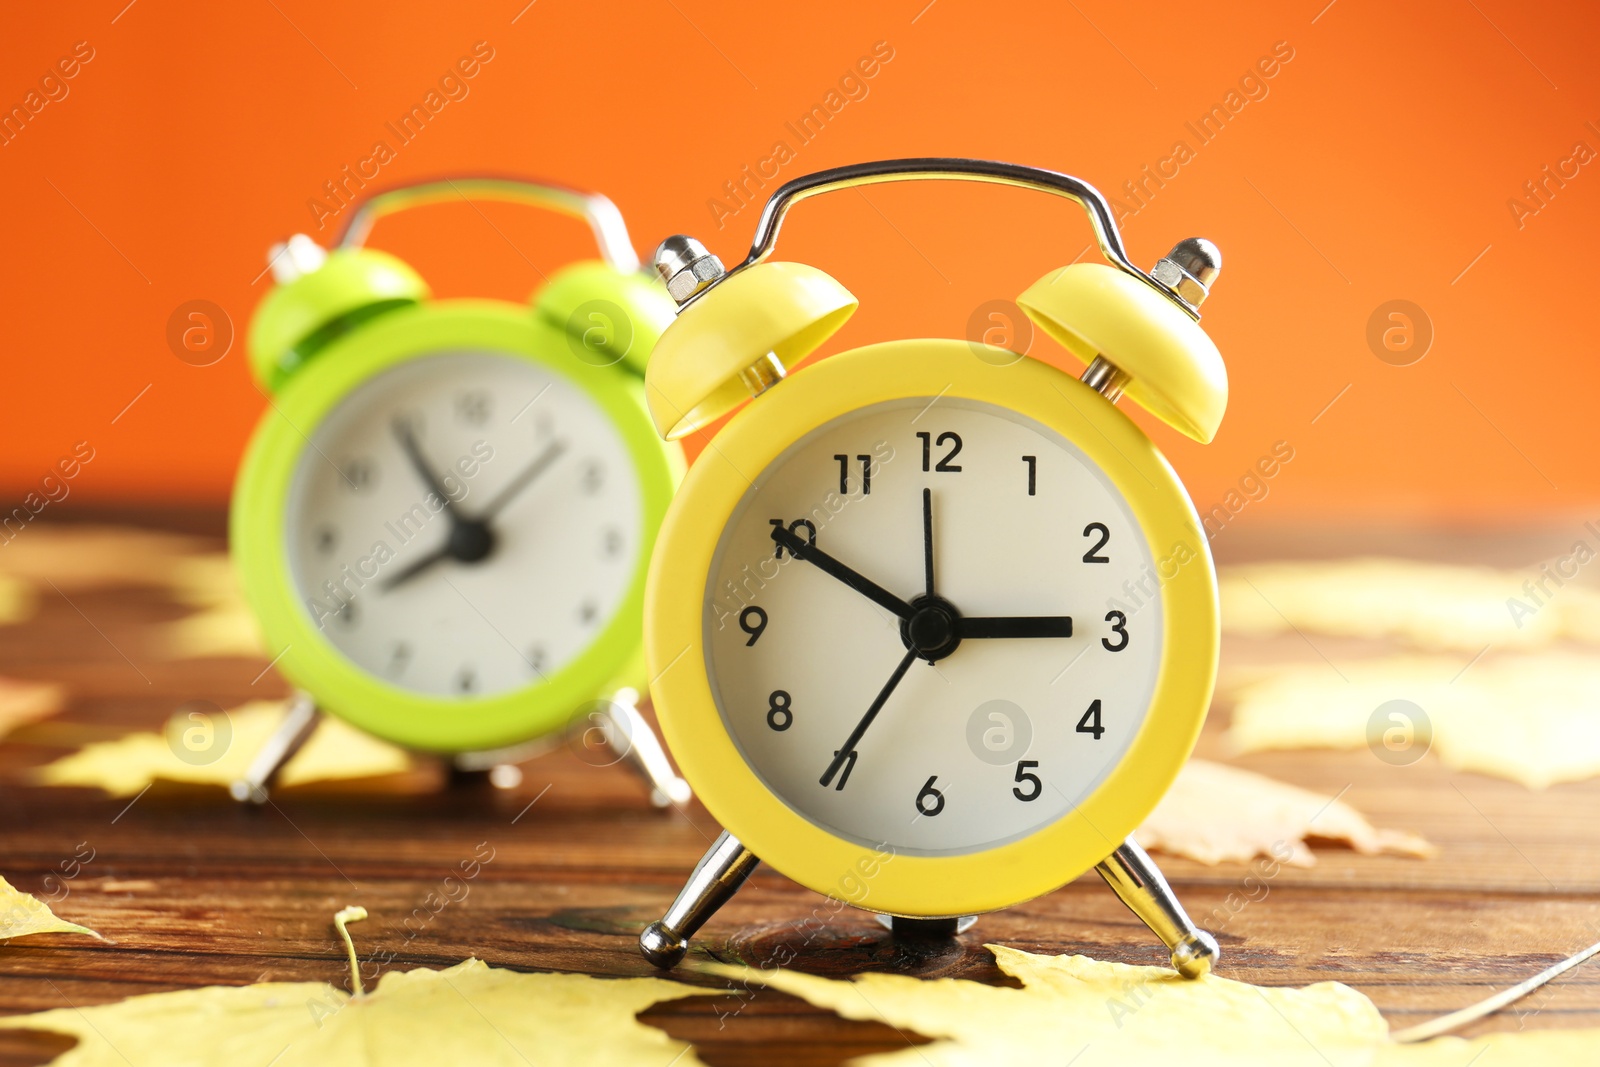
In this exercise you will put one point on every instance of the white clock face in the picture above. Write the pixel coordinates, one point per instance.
(1012, 723)
(464, 524)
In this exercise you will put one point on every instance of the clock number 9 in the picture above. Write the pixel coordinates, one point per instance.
(779, 717)
(1119, 626)
(752, 620)
(930, 801)
(1023, 775)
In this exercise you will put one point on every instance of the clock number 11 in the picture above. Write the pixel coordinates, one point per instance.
(844, 474)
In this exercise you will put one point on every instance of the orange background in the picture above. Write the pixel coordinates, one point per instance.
(1378, 166)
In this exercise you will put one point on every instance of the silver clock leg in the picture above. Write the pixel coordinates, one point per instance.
(631, 737)
(1135, 878)
(716, 878)
(298, 724)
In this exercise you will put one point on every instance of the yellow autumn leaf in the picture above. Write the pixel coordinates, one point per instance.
(23, 702)
(1216, 814)
(1072, 1009)
(17, 600)
(73, 557)
(1429, 605)
(467, 1014)
(217, 751)
(227, 629)
(1528, 717)
(21, 914)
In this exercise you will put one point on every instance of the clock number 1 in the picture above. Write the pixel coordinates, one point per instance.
(930, 801)
(944, 465)
(844, 474)
(844, 775)
(1033, 471)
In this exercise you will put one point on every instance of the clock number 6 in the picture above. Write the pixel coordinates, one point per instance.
(1023, 767)
(779, 717)
(930, 801)
(1118, 621)
(753, 621)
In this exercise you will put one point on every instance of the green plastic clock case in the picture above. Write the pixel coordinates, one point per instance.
(334, 322)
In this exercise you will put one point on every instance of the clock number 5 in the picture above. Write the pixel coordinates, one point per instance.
(779, 717)
(1119, 626)
(944, 465)
(1023, 775)
(930, 801)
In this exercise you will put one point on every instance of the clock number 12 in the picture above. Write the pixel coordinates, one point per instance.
(944, 466)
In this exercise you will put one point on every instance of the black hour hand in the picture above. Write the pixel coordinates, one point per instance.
(1014, 626)
(800, 548)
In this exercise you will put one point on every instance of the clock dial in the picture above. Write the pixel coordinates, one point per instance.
(943, 701)
(464, 524)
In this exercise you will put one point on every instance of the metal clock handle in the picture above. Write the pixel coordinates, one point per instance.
(1139, 884)
(962, 170)
(610, 232)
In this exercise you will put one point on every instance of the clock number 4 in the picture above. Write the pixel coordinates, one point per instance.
(944, 466)
(844, 474)
(1090, 723)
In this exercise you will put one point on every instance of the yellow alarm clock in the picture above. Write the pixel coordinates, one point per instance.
(444, 518)
(933, 626)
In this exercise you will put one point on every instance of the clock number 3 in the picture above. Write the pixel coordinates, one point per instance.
(930, 801)
(1119, 626)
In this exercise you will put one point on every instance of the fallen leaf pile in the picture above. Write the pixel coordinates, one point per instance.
(1219, 814)
(21, 915)
(222, 623)
(1072, 1009)
(1532, 718)
(1428, 605)
(23, 702)
(128, 764)
(470, 1014)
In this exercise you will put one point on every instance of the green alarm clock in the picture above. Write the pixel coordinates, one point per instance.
(444, 518)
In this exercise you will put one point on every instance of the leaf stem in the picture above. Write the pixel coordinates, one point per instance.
(351, 914)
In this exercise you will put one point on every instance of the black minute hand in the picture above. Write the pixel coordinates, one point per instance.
(1015, 626)
(802, 549)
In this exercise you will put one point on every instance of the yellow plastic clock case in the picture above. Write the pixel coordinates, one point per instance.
(737, 335)
(360, 312)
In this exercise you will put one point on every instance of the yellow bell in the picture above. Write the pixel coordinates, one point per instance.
(1171, 368)
(739, 338)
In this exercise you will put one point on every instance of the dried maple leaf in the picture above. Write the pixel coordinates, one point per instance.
(1554, 736)
(1072, 1009)
(17, 600)
(1430, 605)
(1216, 814)
(470, 1014)
(82, 557)
(21, 915)
(24, 702)
(127, 765)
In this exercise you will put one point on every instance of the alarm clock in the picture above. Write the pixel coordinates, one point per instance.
(444, 518)
(932, 625)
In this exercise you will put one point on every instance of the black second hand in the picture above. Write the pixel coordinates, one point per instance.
(866, 720)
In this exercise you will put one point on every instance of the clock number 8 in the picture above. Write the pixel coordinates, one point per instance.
(779, 717)
(930, 801)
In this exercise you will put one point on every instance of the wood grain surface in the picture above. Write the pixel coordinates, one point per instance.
(194, 890)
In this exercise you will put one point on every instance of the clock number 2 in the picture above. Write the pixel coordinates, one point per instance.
(779, 717)
(930, 801)
(1093, 555)
(944, 465)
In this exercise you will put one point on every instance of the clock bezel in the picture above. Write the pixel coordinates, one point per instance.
(677, 595)
(424, 721)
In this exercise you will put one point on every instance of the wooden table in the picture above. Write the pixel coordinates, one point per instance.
(195, 890)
